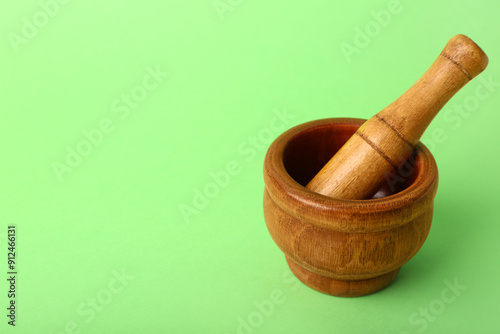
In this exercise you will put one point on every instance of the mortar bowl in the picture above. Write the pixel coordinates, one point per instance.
(344, 247)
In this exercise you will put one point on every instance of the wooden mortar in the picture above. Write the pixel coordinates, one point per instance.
(344, 247)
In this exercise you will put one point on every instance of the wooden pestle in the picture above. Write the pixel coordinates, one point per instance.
(387, 139)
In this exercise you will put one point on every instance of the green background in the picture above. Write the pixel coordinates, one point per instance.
(118, 211)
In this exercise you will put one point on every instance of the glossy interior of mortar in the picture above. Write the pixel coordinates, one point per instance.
(309, 151)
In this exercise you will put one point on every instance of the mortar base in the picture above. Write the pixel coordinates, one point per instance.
(341, 288)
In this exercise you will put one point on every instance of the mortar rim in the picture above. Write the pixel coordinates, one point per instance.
(352, 216)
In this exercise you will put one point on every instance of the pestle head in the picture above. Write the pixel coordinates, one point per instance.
(466, 54)
(386, 140)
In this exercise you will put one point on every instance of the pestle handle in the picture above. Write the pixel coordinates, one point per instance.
(460, 61)
(387, 139)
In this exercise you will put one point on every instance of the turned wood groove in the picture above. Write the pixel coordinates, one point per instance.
(376, 148)
(458, 64)
(395, 130)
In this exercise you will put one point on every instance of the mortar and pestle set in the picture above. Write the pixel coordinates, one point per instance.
(350, 201)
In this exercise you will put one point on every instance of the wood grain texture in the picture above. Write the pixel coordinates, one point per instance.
(387, 139)
(343, 247)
